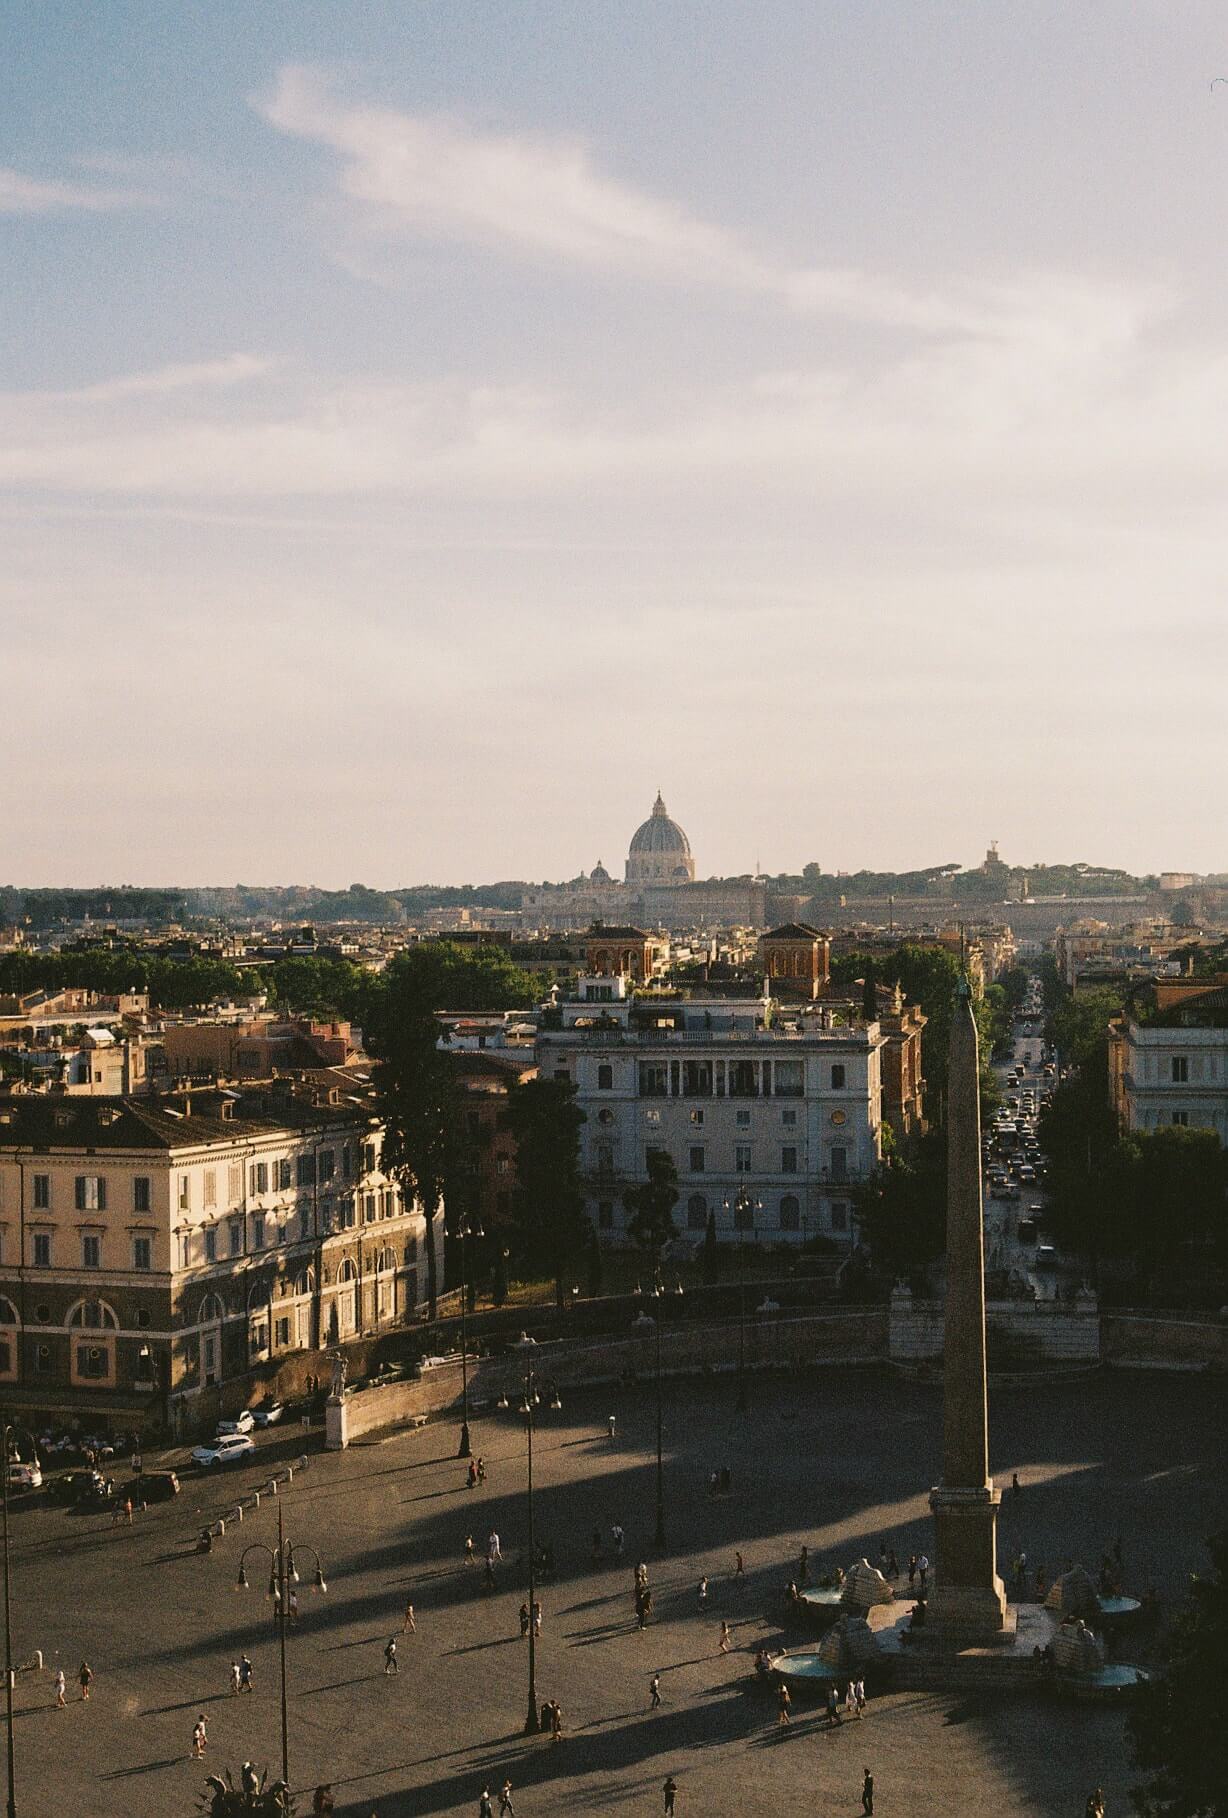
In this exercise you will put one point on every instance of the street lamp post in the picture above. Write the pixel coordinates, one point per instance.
(282, 1574)
(465, 1234)
(8, 1625)
(658, 1294)
(743, 1203)
(532, 1722)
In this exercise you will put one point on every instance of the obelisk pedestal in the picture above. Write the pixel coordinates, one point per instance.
(968, 1604)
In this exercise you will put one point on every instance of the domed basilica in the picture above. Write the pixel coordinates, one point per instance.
(660, 851)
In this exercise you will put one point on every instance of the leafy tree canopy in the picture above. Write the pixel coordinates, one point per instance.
(651, 1205)
(1177, 1731)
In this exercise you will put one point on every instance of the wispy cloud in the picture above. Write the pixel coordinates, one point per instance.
(24, 195)
(234, 369)
(543, 197)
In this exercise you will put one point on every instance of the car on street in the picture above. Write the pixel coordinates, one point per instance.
(268, 1413)
(153, 1486)
(23, 1477)
(226, 1449)
(99, 1495)
(72, 1485)
(240, 1423)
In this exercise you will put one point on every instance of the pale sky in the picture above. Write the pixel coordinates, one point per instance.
(426, 429)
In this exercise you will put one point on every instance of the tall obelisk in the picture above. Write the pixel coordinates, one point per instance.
(968, 1604)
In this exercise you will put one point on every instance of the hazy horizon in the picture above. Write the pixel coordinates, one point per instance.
(427, 432)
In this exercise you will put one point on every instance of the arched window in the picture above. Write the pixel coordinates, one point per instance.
(305, 1281)
(697, 1213)
(347, 1297)
(211, 1310)
(790, 1213)
(8, 1312)
(385, 1260)
(93, 1316)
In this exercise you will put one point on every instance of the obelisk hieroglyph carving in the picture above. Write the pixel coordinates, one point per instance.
(968, 1602)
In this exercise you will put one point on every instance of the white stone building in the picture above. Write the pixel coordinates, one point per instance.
(1162, 1076)
(771, 1115)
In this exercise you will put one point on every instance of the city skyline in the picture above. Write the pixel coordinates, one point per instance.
(421, 442)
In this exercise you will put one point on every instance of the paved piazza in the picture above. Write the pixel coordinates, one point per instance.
(839, 1460)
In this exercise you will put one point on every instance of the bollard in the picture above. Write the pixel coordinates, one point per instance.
(256, 1500)
(289, 1473)
(238, 1514)
(221, 1525)
(36, 1664)
(272, 1486)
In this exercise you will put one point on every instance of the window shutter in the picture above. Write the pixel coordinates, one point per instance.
(79, 1189)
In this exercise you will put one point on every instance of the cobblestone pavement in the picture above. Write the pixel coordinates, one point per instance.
(840, 1460)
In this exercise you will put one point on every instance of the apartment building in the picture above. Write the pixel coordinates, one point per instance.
(1174, 1070)
(153, 1249)
(771, 1114)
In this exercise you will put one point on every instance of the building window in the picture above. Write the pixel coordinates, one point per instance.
(42, 1360)
(1181, 1119)
(1181, 1069)
(697, 1079)
(652, 1117)
(42, 1192)
(281, 1332)
(837, 1077)
(305, 1171)
(368, 1208)
(185, 1192)
(42, 1249)
(211, 1243)
(790, 1213)
(283, 1173)
(788, 1079)
(304, 1221)
(743, 1120)
(839, 1216)
(697, 1213)
(91, 1251)
(258, 1231)
(788, 1160)
(258, 1177)
(697, 1117)
(741, 1158)
(789, 1119)
(605, 1078)
(235, 1228)
(743, 1079)
(142, 1253)
(368, 1158)
(605, 1214)
(327, 1165)
(654, 1079)
(234, 1182)
(697, 1160)
(839, 1162)
(185, 1250)
(210, 1187)
(140, 1193)
(91, 1193)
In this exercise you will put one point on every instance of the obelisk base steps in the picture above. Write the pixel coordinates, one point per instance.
(968, 1604)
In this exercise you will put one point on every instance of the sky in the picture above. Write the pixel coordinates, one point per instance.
(426, 429)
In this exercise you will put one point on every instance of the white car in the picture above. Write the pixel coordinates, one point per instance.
(269, 1414)
(226, 1449)
(242, 1423)
(25, 1476)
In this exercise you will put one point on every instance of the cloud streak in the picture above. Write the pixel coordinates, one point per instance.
(24, 195)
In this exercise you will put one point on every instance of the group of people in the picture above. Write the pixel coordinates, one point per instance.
(854, 1702)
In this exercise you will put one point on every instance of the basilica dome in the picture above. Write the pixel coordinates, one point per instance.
(660, 851)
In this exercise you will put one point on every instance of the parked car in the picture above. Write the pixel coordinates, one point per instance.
(153, 1486)
(268, 1413)
(242, 1423)
(98, 1495)
(72, 1485)
(226, 1449)
(24, 1477)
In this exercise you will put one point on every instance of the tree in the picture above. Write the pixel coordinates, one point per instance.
(548, 1201)
(1176, 1729)
(651, 1205)
(414, 1080)
(902, 1211)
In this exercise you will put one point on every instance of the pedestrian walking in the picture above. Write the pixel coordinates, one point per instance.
(470, 1555)
(85, 1679)
(867, 1792)
(473, 1474)
(654, 1692)
(505, 1801)
(493, 1550)
(245, 1674)
(1095, 1804)
(701, 1592)
(485, 1807)
(292, 1606)
(391, 1663)
(725, 1638)
(611, 1423)
(200, 1737)
(850, 1700)
(556, 1722)
(409, 1626)
(912, 1569)
(641, 1576)
(833, 1706)
(645, 1609)
(537, 1618)
(524, 1622)
(859, 1692)
(235, 1679)
(923, 1570)
(481, 1469)
(782, 1706)
(128, 1510)
(669, 1789)
(488, 1574)
(1016, 1486)
(803, 1567)
(619, 1538)
(739, 1568)
(61, 1690)
(893, 1566)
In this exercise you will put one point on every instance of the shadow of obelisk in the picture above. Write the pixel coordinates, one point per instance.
(968, 1604)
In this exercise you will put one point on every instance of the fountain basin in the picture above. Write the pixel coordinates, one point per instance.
(803, 1670)
(1107, 1683)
